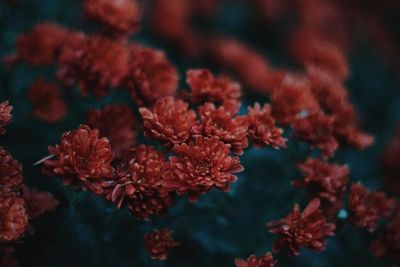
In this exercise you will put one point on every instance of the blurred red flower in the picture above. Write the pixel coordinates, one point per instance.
(151, 75)
(388, 243)
(117, 123)
(5, 116)
(302, 229)
(10, 173)
(38, 203)
(47, 102)
(200, 166)
(119, 17)
(168, 121)
(265, 260)
(158, 242)
(365, 207)
(13, 217)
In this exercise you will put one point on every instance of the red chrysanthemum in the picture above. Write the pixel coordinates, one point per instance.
(262, 128)
(302, 229)
(116, 16)
(13, 217)
(99, 62)
(318, 130)
(10, 173)
(168, 121)
(82, 158)
(117, 123)
(204, 87)
(47, 102)
(44, 43)
(326, 181)
(366, 208)
(38, 203)
(200, 166)
(388, 243)
(291, 99)
(5, 116)
(158, 242)
(151, 75)
(265, 260)
(139, 184)
(224, 124)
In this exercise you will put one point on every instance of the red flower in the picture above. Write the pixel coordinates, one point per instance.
(117, 123)
(159, 242)
(291, 99)
(388, 243)
(200, 166)
(317, 130)
(38, 202)
(82, 158)
(5, 116)
(169, 121)
(265, 260)
(96, 64)
(222, 123)
(47, 102)
(325, 181)
(151, 76)
(10, 173)
(116, 16)
(262, 129)
(207, 88)
(138, 183)
(13, 217)
(366, 207)
(302, 229)
(44, 43)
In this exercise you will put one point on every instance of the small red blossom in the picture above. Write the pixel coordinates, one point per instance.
(43, 45)
(117, 123)
(262, 128)
(10, 173)
(116, 16)
(204, 87)
(365, 207)
(151, 75)
(158, 242)
(326, 181)
(38, 203)
(82, 158)
(292, 98)
(13, 217)
(318, 130)
(96, 64)
(5, 116)
(200, 166)
(302, 229)
(168, 121)
(265, 260)
(139, 184)
(47, 102)
(388, 243)
(224, 124)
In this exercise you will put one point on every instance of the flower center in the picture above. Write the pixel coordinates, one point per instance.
(203, 167)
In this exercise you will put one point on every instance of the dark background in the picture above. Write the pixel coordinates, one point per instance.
(87, 231)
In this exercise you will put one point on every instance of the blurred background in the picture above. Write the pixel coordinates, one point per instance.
(87, 231)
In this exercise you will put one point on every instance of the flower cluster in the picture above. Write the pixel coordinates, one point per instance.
(302, 229)
(265, 260)
(5, 116)
(158, 242)
(367, 207)
(46, 101)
